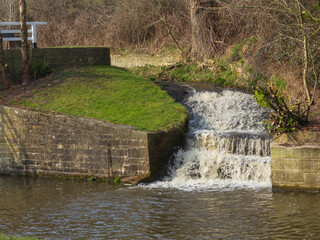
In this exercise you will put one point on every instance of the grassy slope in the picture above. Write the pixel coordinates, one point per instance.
(230, 70)
(2, 237)
(111, 94)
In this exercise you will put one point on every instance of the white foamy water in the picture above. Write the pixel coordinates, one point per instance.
(227, 144)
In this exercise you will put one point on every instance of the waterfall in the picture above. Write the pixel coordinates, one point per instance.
(227, 144)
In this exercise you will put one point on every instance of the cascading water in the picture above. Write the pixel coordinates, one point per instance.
(227, 144)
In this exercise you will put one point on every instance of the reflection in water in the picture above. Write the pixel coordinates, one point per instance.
(67, 209)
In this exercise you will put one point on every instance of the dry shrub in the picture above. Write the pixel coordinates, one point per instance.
(138, 24)
(82, 23)
(122, 23)
(228, 22)
(9, 10)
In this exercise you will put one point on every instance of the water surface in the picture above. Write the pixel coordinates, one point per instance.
(218, 186)
(70, 209)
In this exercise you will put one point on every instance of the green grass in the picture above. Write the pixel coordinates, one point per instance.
(111, 94)
(2, 237)
(231, 70)
(236, 52)
(179, 72)
(220, 73)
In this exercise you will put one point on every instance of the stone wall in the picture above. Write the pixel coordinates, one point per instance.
(295, 161)
(57, 57)
(139, 60)
(51, 144)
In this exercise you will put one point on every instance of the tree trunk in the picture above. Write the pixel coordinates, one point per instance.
(3, 68)
(306, 58)
(25, 50)
(200, 46)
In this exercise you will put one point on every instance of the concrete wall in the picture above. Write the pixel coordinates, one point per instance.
(47, 144)
(57, 57)
(139, 60)
(295, 161)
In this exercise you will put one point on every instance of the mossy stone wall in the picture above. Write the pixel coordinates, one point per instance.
(57, 57)
(295, 161)
(38, 143)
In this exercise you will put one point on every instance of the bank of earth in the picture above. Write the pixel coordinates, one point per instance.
(101, 92)
(97, 121)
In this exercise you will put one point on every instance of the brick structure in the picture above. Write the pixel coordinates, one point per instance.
(58, 57)
(53, 144)
(295, 161)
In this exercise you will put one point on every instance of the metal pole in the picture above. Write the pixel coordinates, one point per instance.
(34, 35)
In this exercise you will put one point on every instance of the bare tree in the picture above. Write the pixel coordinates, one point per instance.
(200, 48)
(159, 12)
(200, 17)
(296, 23)
(25, 49)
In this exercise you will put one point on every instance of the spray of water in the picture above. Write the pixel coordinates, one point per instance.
(227, 144)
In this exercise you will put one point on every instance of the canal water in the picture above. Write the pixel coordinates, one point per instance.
(68, 209)
(217, 187)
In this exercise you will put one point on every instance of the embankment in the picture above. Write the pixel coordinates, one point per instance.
(38, 143)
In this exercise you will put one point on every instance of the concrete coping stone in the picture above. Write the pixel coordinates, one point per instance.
(298, 139)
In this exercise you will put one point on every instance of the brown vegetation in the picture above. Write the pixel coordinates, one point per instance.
(287, 32)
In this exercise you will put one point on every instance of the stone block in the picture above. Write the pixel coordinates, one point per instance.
(131, 168)
(299, 138)
(292, 164)
(295, 161)
(312, 180)
(301, 152)
(138, 153)
(139, 135)
(316, 165)
(277, 163)
(287, 176)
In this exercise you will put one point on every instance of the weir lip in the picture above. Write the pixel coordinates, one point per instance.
(234, 134)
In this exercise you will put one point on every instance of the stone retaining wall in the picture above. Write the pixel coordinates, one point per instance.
(295, 161)
(57, 57)
(47, 144)
(139, 60)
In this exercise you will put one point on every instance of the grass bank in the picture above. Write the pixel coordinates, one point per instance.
(231, 70)
(111, 94)
(3, 237)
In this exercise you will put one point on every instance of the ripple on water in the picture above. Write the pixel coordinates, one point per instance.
(98, 211)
